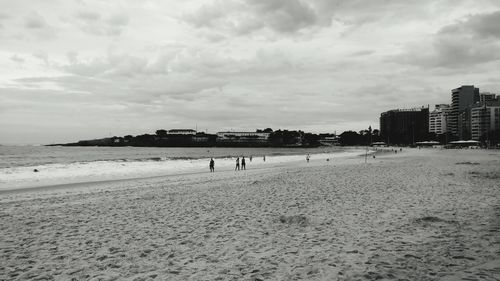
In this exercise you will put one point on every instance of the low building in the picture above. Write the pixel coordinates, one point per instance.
(182, 132)
(243, 138)
(329, 140)
(243, 135)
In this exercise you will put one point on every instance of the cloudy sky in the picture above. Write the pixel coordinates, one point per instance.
(78, 69)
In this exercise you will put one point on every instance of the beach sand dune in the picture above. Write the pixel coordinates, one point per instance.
(418, 215)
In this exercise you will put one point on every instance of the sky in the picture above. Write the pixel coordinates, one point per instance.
(75, 69)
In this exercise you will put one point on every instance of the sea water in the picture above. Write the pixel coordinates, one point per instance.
(63, 165)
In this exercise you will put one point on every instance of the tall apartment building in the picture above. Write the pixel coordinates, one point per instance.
(461, 99)
(487, 97)
(485, 118)
(404, 126)
(438, 119)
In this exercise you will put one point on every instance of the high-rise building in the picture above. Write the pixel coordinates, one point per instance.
(485, 119)
(461, 99)
(487, 97)
(404, 126)
(438, 119)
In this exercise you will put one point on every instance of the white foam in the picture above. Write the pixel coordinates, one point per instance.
(49, 174)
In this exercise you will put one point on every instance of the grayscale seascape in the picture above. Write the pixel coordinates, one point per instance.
(251, 140)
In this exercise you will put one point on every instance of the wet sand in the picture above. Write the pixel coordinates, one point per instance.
(417, 215)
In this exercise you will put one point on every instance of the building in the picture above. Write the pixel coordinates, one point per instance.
(461, 99)
(182, 132)
(243, 136)
(203, 138)
(487, 97)
(438, 119)
(327, 139)
(404, 126)
(485, 120)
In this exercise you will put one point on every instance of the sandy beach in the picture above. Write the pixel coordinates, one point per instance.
(424, 214)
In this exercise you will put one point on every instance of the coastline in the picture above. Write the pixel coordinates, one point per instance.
(418, 215)
(109, 183)
(77, 172)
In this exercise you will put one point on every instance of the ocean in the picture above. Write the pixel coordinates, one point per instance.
(63, 165)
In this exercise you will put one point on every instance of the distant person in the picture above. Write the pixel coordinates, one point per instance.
(243, 167)
(401, 149)
(212, 165)
(237, 164)
(307, 158)
(250, 158)
(264, 158)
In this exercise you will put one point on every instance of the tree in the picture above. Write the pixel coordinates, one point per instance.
(285, 137)
(311, 139)
(161, 133)
(350, 138)
(145, 140)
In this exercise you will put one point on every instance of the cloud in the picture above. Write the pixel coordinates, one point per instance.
(72, 57)
(3, 17)
(472, 41)
(88, 16)
(37, 27)
(17, 58)
(480, 26)
(245, 17)
(450, 52)
(118, 20)
(42, 55)
(35, 21)
(285, 16)
(300, 63)
(291, 17)
(301, 17)
(362, 53)
(136, 79)
(114, 66)
(93, 23)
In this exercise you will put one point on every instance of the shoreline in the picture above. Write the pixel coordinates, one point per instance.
(160, 169)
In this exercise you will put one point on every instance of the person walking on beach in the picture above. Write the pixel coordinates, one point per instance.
(264, 158)
(212, 165)
(250, 158)
(307, 158)
(243, 163)
(237, 164)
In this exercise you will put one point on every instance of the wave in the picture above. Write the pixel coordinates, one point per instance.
(84, 171)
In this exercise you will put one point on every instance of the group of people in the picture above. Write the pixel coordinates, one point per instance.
(243, 164)
(237, 167)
